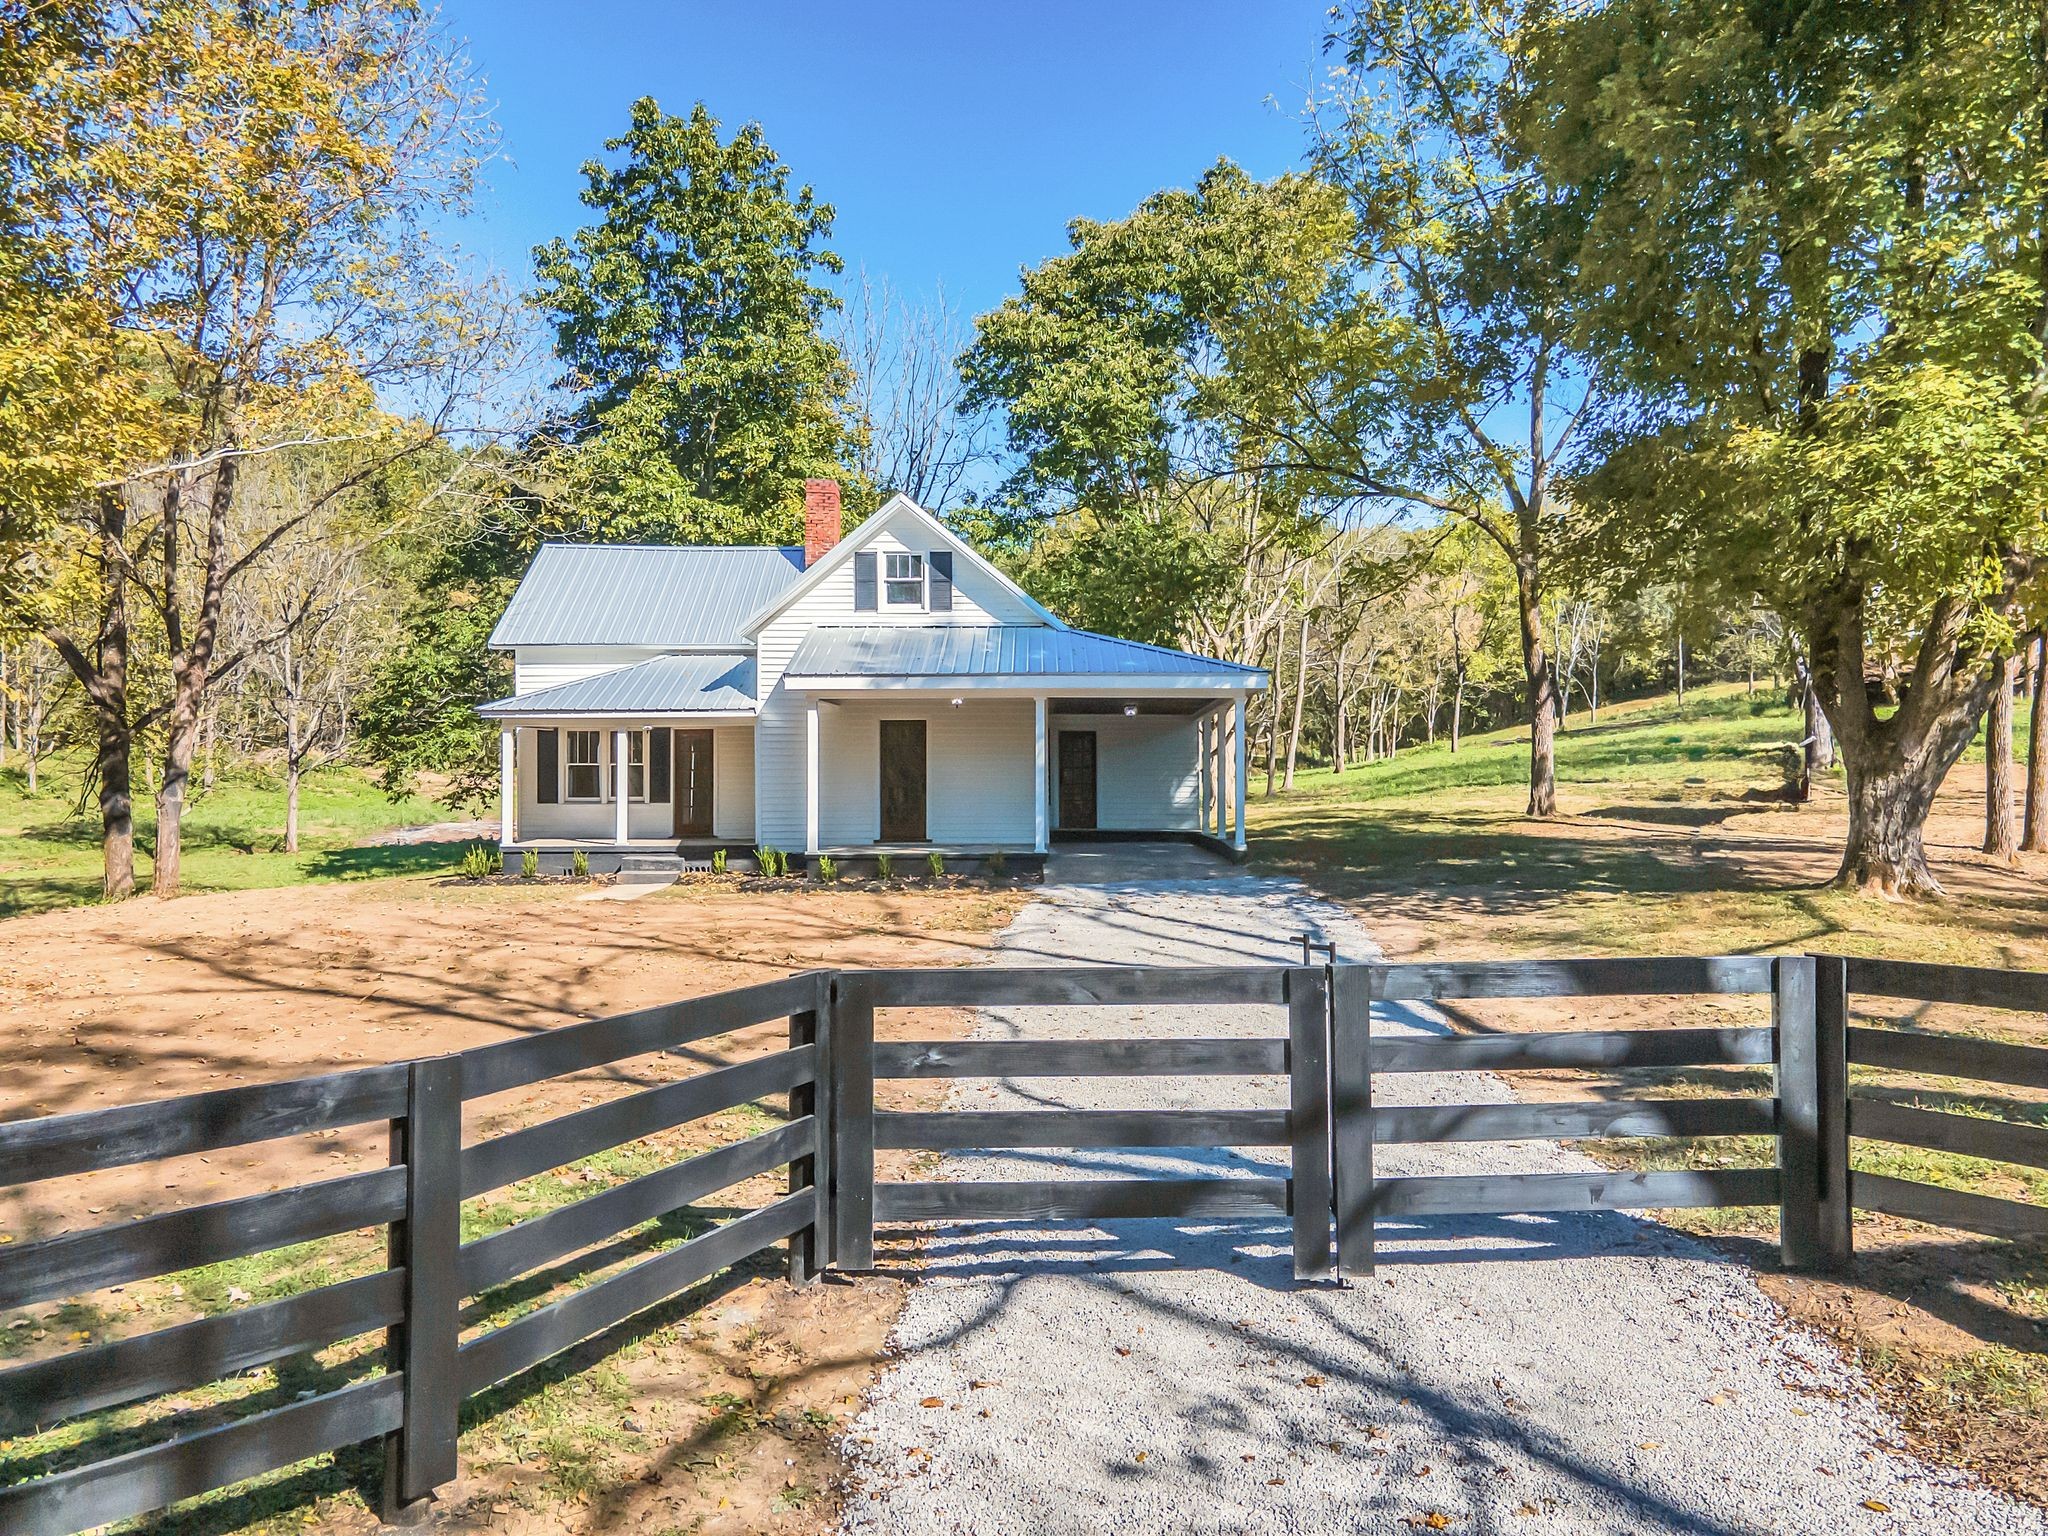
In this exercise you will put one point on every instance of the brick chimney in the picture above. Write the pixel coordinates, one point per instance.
(821, 519)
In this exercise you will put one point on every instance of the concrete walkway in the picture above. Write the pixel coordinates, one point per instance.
(1543, 1376)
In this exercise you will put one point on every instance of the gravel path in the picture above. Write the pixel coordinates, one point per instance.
(1537, 1375)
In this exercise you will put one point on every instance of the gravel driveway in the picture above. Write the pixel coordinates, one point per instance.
(1537, 1375)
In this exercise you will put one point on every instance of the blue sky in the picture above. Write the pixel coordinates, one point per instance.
(955, 139)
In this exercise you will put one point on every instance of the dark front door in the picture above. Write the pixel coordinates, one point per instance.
(692, 784)
(1077, 781)
(903, 781)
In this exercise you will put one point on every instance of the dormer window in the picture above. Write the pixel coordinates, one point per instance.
(903, 580)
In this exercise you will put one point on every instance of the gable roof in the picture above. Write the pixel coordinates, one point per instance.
(664, 685)
(695, 596)
(999, 650)
(897, 509)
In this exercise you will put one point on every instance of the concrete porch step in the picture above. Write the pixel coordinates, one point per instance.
(636, 876)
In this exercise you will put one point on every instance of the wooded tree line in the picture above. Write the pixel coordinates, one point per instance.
(1594, 349)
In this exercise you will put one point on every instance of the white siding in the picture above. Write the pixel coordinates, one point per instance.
(978, 771)
(535, 667)
(732, 782)
(732, 793)
(1146, 770)
(779, 728)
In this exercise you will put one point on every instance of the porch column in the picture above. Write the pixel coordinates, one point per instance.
(1038, 774)
(1202, 772)
(508, 792)
(1237, 771)
(619, 784)
(810, 776)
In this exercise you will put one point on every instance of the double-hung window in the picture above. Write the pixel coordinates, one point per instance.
(586, 770)
(903, 580)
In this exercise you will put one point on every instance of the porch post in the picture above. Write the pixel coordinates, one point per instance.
(1202, 771)
(1237, 766)
(1038, 774)
(619, 783)
(810, 776)
(508, 793)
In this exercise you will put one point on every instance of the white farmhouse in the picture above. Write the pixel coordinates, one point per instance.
(887, 692)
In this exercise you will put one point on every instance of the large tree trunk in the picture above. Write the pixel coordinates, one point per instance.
(104, 677)
(2001, 828)
(1457, 711)
(2035, 837)
(1895, 765)
(1338, 745)
(1542, 696)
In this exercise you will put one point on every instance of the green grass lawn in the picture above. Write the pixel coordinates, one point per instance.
(234, 836)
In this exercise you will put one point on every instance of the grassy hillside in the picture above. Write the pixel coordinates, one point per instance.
(50, 850)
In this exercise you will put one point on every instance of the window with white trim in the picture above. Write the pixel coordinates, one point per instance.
(903, 579)
(586, 771)
(636, 765)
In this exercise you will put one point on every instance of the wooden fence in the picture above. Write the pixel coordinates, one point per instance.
(1330, 1195)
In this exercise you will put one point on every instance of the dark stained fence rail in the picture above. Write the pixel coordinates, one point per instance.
(1946, 1057)
(1329, 1056)
(416, 1301)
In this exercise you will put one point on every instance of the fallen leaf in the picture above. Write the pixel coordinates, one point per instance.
(1879, 1505)
(1311, 1381)
(1650, 1445)
(976, 1386)
(1142, 1455)
(1121, 1350)
(932, 1402)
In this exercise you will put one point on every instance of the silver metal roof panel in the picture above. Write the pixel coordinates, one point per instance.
(998, 650)
(665, 685)
(644, 594)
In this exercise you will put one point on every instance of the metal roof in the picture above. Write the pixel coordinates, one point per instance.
(1000, 650)
(644, 594)
(665, 685)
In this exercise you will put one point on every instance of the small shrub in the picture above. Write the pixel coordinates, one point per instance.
(718, 862)
(885, 866)
(768, 861)
(828, 867)
(937, 861)
(579, 864)
(529, 864)
(480, 862)
(998, 864)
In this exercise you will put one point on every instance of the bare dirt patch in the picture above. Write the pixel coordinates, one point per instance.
(714, 1413)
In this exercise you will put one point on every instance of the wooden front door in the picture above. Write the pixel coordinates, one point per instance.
(692, 784)
(903, 781)
(1077, 781)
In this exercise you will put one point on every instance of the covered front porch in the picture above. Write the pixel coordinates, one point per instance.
(930, 767)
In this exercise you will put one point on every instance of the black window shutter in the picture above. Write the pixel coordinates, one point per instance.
(548, 753)
(941, 563)
(658, 759)
(864, 581)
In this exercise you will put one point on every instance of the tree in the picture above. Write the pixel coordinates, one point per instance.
(238, 237)
(1812, 246)
(1483, 394)
(2034, 837)
(2001, 827)
(688, 318)
(911, 435)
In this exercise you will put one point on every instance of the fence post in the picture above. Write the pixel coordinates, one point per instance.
(420, 1454)
(1836, 1228)
(1352, 988)
(1799, 1167)
(810, 1246)
(1308, 1085)
(852, 1030)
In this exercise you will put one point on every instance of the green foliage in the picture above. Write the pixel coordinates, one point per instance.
(688, 314)
(997, 864)
(480, 861)
(529, 864)
(718, 861)
(885, 867)
(579, 864)
(936, 862)
(773, 863)
(827, 868)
